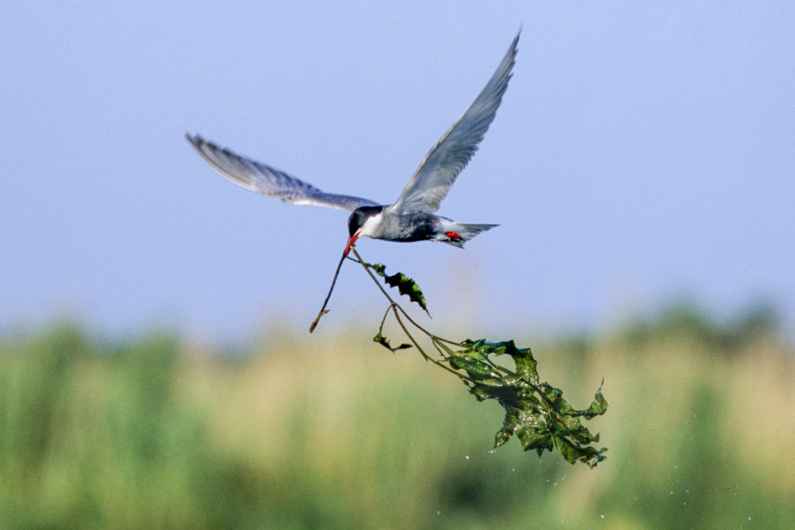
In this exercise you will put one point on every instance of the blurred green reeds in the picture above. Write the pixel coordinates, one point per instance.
(314, 432)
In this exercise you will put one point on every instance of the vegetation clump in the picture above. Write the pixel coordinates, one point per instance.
(535, 411)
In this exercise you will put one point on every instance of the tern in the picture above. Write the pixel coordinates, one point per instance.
(412, 217)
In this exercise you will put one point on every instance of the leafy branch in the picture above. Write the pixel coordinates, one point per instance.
(535, 411)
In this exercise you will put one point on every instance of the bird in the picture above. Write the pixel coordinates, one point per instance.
(412, 217)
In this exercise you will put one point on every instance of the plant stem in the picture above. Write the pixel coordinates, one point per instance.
(383, 320)
(426, 356)
(367, 266)
(323, 309)
(397, 310)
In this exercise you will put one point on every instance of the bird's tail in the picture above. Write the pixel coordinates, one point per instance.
(457, 234)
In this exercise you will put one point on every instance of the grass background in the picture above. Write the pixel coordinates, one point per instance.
(306, 432)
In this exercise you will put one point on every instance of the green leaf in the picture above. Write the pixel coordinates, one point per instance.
(405, 284)
(383, 341)
(575, 453)
(493, 389)
(526, 365)
(509, 425)
(475, 368)
(598, 405)
(408, 287)
(534, 439)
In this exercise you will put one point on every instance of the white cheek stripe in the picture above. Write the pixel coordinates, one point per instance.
(370, 225)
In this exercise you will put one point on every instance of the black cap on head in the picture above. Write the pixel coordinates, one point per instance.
(359, 216)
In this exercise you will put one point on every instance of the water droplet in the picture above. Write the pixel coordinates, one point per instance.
(513, 469)
(492, 451)
(749, 517)
(467, 457)
(602, 516)
(438, 512)
(671, 492)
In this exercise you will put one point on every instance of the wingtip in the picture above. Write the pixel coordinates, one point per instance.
(513, 49)
(195, 140)
(515, 42)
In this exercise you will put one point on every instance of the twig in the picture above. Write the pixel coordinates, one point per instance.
(367, 267)
(425, 355)
(383, 320)
(323, 309)
(409, 335)
(397, 310)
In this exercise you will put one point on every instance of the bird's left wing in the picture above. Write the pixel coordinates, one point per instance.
(267, 180)
(437, 173)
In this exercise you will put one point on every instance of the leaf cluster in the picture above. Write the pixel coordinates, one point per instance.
(535, 411)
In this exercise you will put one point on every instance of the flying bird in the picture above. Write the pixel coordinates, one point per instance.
(412, 217)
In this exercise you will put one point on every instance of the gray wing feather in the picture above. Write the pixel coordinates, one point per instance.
(267, 180)
(441, 166)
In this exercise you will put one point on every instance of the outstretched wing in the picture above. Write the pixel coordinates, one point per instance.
(267, 180)
(455, 148)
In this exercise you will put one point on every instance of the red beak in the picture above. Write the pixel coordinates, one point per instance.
(351, 243)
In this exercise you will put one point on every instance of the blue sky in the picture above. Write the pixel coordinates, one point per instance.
(640, 152)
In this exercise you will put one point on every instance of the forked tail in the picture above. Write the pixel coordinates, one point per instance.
(457, 234)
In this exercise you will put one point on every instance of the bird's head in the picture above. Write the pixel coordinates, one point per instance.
(356, 224)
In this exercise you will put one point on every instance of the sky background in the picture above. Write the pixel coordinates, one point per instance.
(640, 152)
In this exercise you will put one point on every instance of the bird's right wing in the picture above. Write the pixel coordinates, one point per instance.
(267, 180)
(438, 172)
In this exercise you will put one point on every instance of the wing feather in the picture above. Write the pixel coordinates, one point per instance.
(267, 180)
(443, 163)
